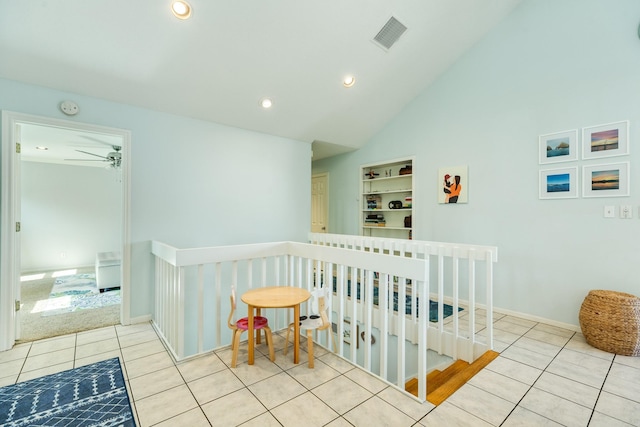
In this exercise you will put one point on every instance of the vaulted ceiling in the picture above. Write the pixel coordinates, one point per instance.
(230, 54)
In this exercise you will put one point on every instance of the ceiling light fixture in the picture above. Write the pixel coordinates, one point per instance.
(41, 148)
(349, 81)
(181, 9)
(266, 103)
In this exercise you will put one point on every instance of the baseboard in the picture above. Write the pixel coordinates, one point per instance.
(140, 319)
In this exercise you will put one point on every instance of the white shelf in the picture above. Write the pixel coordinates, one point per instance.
(388, 186)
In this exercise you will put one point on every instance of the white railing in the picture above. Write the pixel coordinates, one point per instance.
(192, 288)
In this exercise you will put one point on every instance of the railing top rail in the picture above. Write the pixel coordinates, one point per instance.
(409, 268)
(194, 256)
(462, 250)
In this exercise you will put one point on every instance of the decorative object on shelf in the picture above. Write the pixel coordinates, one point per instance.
(395, 204)
(605, 140)
(610, 180)
(454, 184)
(374, 202)
(558, 147)
(407, 221)
(372, 174)
(407, 170)
(408, 202)
(561, 183)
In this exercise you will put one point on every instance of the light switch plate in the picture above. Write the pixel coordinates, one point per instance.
(626, 211)
(609, 211)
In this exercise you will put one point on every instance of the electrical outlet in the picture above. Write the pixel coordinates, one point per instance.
(626, 211)
(609, 211)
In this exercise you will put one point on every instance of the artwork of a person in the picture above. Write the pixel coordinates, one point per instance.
(446, 188)
(455, 189)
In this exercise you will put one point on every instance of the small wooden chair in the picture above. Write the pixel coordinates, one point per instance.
(319, 321)
(241, 325)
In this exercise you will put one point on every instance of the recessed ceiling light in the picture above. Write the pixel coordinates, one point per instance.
(349, 81)
(42, 148)
(181, 9)
(266, 103)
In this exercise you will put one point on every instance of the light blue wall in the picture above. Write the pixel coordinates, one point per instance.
(70, 210)
(193, 183)
(549, 67)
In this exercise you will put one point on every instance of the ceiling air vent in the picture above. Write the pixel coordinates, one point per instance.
(390, 33)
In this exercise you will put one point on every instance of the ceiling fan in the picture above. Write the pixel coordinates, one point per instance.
(114, 157)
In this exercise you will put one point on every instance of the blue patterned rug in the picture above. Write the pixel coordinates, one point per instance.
(92, 395)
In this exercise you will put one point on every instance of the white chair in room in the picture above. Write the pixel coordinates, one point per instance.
(318, 321)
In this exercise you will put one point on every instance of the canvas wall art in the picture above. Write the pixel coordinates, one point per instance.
(453, 185)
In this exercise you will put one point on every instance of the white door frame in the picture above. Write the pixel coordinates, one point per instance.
(9, 215)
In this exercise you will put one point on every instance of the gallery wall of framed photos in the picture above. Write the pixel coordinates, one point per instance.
(599, 157)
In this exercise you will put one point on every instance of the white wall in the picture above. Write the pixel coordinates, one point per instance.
(193, 183)
(69, 213)
(550, 66)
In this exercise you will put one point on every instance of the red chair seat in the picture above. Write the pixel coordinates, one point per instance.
(259, 322)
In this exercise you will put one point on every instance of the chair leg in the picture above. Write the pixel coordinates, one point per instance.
(269, 338)
(286, 341)
(310, 347)
(235, 346)
(333, 338)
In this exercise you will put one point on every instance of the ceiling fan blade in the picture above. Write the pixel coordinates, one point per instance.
(92, 154)
(95, 139)
(85, 160)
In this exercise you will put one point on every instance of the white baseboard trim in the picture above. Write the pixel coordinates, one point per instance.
(569, 326)
(140, 319)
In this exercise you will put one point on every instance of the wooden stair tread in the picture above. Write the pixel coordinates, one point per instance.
(441, 385)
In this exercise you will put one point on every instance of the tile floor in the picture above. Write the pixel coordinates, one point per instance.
(544, 376)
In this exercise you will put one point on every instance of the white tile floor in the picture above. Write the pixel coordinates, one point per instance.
(544, 376)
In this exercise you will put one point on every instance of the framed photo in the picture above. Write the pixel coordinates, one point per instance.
(605, 140)
(610, 180)
(561, 183)
(558, 147)
(347, 334)
(453, 185)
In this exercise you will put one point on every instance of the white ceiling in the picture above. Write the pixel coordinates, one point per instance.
(63, 145)
(217, 65)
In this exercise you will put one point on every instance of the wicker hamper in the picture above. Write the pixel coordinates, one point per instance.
(610, 321)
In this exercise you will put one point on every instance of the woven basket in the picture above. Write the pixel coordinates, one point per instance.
(610, 321)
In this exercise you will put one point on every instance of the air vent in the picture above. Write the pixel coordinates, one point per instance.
(390, 33)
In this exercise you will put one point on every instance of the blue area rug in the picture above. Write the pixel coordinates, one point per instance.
(447, 310)
(92, 395)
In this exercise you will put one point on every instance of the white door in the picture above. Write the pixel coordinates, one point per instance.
(319, 203)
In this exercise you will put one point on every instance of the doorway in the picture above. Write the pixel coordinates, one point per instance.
(320, 203)
(22, 169)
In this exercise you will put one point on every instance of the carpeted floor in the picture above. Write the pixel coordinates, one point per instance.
(34, 326)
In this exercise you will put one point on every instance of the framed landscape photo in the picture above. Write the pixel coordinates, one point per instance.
(561, 183)
(609, 180)
(558, 147)
(605, 140)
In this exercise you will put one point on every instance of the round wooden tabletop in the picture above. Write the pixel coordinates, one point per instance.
(275, 296)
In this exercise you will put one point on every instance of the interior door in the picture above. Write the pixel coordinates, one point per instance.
(319, 203)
